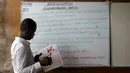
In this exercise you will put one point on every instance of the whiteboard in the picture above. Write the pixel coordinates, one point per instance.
(79, 29)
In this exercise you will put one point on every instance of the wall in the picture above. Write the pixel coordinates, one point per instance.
(9, 27)
(120, 17)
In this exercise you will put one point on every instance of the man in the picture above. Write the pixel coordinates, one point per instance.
(22, 58)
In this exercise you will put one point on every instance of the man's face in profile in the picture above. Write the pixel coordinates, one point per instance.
(31, 33)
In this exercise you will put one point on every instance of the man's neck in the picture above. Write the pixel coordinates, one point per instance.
(22, 37)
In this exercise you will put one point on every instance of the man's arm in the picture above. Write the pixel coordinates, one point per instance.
(21, 62)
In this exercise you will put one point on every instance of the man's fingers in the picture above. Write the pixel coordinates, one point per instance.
(50, 60)
(40, 54)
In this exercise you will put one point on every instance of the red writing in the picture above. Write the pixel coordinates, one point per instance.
(74, 51)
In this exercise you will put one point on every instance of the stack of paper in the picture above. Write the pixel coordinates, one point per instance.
(56, 58)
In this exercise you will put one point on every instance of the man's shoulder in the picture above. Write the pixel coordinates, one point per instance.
(17, 45)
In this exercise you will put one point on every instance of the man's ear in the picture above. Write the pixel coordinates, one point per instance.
(26, 31)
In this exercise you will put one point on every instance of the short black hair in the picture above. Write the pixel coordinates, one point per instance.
(27, 24)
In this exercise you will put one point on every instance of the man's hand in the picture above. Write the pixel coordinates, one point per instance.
(46, 61)
(36, 58)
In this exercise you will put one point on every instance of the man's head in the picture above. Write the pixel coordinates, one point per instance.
(27, 29)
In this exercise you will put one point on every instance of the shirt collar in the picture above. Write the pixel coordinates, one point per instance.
(22, 40)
